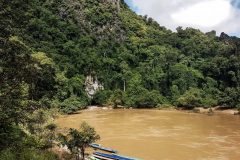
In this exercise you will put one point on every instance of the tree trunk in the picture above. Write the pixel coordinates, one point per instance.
(77, 157)
(83, 153)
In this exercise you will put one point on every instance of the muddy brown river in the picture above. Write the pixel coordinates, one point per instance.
(163, 135)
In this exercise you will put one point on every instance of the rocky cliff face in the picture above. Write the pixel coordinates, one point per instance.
(114, 2)
(102, 20)
(92, 85)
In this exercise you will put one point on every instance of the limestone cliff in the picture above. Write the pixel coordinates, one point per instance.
(92, 85)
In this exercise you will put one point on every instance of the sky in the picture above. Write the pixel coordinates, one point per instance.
(206, 15)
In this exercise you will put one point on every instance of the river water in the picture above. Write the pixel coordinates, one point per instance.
(163, 135)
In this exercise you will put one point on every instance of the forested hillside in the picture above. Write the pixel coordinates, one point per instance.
(139, 62)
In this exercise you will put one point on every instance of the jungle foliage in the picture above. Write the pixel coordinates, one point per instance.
(139, 62)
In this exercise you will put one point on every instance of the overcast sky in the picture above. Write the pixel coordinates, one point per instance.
(206, 15)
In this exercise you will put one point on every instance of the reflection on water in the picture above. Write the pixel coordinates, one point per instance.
(163, 135)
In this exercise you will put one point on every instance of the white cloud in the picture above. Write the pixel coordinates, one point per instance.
(206, 15)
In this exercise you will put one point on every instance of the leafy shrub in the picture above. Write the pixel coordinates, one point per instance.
(142, 98)
(78, 140)
(117, 98)
(149, 99)
(27, 154)
(230, 97)
(101, 97)
(10, 135)
(190, 99)
(73, 104)
(165, 106)
(209, 101)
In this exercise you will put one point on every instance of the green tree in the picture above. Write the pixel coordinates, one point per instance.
(20, 75)
(78, 140)
(191, 98)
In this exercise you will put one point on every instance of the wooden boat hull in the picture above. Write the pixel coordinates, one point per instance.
(111, 156)
(97, 146)
(102, 158)
(93, 158)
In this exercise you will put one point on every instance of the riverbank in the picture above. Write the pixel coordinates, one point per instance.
(199, 110)
(215, 110)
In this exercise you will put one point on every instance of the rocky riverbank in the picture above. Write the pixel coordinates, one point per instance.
(200, 110)
(215, 110)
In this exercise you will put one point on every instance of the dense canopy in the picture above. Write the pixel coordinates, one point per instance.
(139, 62)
